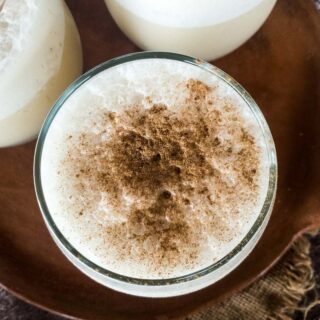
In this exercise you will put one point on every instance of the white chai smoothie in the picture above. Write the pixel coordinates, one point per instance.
(207, 29)
(154, 169)
(40, 55)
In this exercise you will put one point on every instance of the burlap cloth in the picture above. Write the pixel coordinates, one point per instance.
(289, 291)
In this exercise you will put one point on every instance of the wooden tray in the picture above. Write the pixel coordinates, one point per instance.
(280, 67)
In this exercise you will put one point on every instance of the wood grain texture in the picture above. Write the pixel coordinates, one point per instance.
(280, 67)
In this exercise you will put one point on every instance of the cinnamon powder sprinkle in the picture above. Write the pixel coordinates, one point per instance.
(159, 172)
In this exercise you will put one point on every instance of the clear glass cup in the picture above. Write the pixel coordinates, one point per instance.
(208, 29)
(189, 282)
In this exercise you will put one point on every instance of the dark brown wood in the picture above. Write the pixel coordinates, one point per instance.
(280, 67)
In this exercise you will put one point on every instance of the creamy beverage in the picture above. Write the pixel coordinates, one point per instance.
(206, 29)
(154, 168)
(40, 55)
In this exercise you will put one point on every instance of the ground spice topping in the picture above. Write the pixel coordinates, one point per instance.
(158, 170)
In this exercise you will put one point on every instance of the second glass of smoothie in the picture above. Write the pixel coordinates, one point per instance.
(207, 29)
(40, 55)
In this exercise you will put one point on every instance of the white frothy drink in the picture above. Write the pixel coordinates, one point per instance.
(154, 168)
(207, 29)
(40, 55)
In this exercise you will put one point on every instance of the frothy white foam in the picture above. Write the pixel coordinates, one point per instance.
(112, 90)
(189, 13)
(15, 23)
(25, 25)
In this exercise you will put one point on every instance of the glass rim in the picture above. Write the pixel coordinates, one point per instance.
(273, 168)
